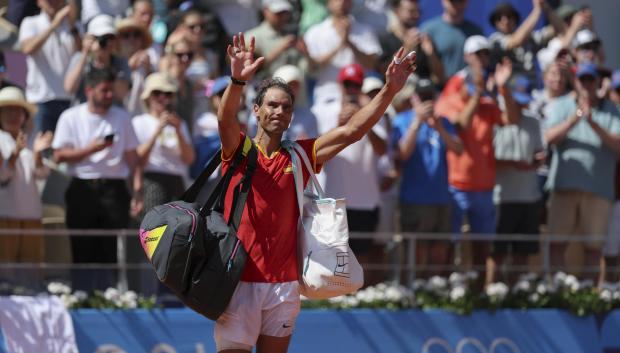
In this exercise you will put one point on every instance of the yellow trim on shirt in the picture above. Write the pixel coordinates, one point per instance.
(265, 154)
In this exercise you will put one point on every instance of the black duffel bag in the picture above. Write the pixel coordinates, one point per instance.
(194, 251)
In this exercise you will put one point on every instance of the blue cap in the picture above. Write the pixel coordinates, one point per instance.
(217, 86)
(586, 69)
(615, 79)
(521, 89)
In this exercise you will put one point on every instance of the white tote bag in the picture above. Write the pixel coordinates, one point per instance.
(327, 266)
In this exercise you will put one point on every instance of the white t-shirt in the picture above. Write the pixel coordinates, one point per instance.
(78, 127)
(165, 156)
(19, 196)
(47, 66)
(322, 38)
(353, 173)
(114, 8)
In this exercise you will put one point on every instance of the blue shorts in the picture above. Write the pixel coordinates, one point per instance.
(477, 206)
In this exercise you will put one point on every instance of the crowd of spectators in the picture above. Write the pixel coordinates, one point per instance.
(501, 134)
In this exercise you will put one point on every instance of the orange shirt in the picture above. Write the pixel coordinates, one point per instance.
(268, 228)
(474, 169)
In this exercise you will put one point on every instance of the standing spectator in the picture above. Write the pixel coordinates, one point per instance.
(175, 63)
(521, 43)
(20, 203)
(98, 52)
(304, 124)
(98, 142)
(449, 32)
(94, 8)
(275, 41)
(518, 153)
(475, 112)
(584, 133)
(338, 41)
(587, 48)
(422, 139)
(165, 148)
(143, 12)
(555, 85)
(359, 160)
(405, 32)
(48, 41)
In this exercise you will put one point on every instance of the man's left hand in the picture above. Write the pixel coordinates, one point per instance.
(399, 70)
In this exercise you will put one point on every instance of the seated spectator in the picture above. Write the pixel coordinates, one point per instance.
(520, 43)
(338, 41)
(98, 52)
(448, 32)
(20, 203)
(165, 145)
(474, 111)
(175, 63)
(584, 134)
(99, 144)
(48, 40)
(422, 139)
(304, 124)
(135, 40)
(275, 41)
(518, 153)
(405, 32)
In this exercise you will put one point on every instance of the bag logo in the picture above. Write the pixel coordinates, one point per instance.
(150, 239)
(342, 260)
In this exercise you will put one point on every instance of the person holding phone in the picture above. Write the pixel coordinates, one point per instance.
(165, 146)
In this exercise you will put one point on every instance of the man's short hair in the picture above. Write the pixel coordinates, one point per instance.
(97, 76)
(269, 83)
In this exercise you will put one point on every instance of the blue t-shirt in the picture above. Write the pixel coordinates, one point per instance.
(449, 41)
(582, 161)
(425, 174)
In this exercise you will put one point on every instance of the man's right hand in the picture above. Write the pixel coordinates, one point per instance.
(60, 16)
(243, 66)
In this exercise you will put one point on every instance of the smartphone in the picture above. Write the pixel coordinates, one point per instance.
(109, 138)
(47, 153)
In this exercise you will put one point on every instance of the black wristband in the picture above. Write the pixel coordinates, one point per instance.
(237, 82)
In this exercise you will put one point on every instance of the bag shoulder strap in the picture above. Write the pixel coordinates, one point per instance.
(313, 180)
(242, 189)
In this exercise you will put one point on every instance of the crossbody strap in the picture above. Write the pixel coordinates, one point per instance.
(242, 189)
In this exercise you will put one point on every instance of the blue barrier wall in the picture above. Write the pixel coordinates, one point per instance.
(359, 331)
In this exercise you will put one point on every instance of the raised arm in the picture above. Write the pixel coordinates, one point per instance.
(243, 66)
(31, 45)
(524, 31)
(511, 113)
(337, 139)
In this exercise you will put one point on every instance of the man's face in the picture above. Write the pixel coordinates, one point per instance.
(482, 56)
(455, 8)
(408, 13)
(350, 88)
(143, 13)
(12, 118)
(276, 111)
(586, 85)
(277, 20)
(101, 95)
(506, 23)
(339, 7)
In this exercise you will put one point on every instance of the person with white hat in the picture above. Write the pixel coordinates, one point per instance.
(587, 48)
(165, 145)
(99, 48)
(48, 40)
(21, 168)
(98, 142)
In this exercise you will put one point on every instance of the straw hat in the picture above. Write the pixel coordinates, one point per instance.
(128, 23)
(13, 96)
(158, 81)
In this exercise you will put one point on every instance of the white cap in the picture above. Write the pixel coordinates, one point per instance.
(546, 56)
(276, 6)
(584, 36)
(101, 25)
(289, 73)
(370, 84)
(476, 43)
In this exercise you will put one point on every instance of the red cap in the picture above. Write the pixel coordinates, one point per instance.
(353, 73)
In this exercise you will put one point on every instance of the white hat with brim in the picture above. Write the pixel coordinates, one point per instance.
(277, 6)
(371, 84)
(289, 73)
(101, 25)
(14, 97)
(476, 43)
(158, 81)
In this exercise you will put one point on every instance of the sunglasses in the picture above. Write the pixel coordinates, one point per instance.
(131, 35)
(185, 57)
(158, 93)
(104, 40)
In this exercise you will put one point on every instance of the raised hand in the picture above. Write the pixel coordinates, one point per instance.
(503, 71)
(243, 66)
(42, 141)
(399, 70)
(61, 15)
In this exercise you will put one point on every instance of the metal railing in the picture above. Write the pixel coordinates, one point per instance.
(402, 259)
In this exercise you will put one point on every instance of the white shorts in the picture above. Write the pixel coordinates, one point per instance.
(612, 243)
(255, 309)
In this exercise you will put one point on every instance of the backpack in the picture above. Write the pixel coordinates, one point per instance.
(194, 251)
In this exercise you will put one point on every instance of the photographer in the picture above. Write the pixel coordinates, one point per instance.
(422, 139)
(98, 52)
